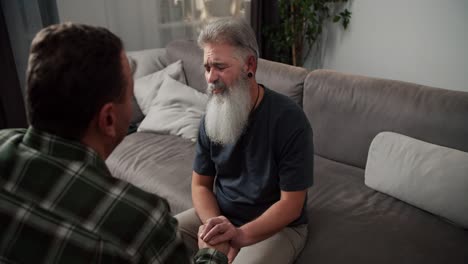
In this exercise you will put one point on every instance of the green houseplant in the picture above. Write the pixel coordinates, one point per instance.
(301, 22)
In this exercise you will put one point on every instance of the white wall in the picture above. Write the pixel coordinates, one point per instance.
(420, 41)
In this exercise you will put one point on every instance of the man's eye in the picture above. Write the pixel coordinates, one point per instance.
(221, 67)
(207, 69)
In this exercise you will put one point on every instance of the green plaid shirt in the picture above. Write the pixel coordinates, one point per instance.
(60, 204)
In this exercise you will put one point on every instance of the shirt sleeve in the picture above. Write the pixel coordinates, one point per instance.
(203, 256)
(296, 163)
(203, 164)
(211, 256)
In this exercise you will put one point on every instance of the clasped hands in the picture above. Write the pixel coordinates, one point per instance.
(218, 232)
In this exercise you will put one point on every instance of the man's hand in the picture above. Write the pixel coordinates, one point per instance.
(222, 247)
(217, 230)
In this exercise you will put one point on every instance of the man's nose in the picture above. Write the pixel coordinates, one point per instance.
(212, 76)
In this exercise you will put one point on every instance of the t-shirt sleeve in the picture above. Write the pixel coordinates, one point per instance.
(296, 161)
(203, 164)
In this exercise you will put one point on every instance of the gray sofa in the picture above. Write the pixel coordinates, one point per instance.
(348, 221)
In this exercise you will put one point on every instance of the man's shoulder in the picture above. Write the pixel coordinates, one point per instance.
(42, 230)
(6, 134)
(282, 102)
(285, 109)
(110, 209)
(131, 200)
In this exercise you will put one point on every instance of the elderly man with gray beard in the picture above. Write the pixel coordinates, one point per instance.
(254, 157)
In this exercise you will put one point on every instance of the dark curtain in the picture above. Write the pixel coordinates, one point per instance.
(264, 14)
(12, 112)
(49, 12)
(19, 21)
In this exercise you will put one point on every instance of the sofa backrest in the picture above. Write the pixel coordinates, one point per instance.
(279, 77)
(347, 111)
(192, 61)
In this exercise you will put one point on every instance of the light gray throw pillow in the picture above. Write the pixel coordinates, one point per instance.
(177, 110)
(146, 88)
(428, 176)
(147, 61)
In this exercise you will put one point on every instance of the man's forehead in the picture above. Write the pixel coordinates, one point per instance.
(214, 61)
(218, 54)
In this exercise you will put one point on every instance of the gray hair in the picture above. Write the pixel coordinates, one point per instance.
(232, 31)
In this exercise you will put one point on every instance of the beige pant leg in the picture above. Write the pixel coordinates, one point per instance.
(188, 227)
(282, 248)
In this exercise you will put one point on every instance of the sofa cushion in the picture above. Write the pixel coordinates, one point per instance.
(347, 111)
(177, 110)
(352, 223)
(146, 88)
(428, 176)
(160, 164)
(279, 77)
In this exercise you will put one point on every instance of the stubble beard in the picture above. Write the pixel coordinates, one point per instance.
(227, 113)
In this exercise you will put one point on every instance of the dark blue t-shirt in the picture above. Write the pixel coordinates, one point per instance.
(274, 153)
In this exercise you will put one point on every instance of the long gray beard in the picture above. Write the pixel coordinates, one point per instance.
(227, 113)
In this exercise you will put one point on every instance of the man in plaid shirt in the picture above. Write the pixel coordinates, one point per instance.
(58, 201)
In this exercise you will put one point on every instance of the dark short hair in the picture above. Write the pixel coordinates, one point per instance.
(73, 70)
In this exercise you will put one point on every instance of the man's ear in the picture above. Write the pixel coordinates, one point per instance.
(251, 64)
(107, 119)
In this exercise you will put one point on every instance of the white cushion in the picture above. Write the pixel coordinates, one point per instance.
(428, 176)
(146, 88)
(177, 110)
